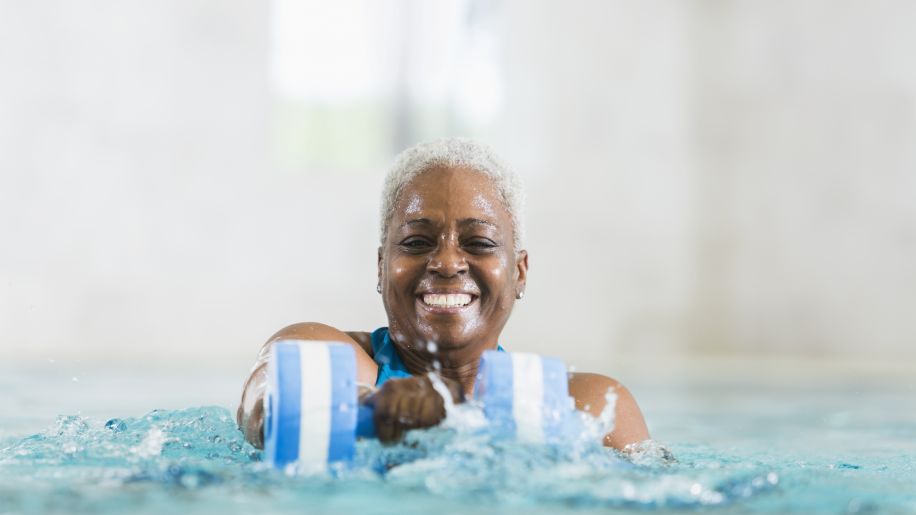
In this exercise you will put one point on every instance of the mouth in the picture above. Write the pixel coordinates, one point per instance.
(446, 302)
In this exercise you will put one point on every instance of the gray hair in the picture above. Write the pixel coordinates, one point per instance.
(454, 153)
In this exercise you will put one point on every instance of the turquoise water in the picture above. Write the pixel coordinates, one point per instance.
(730, 448)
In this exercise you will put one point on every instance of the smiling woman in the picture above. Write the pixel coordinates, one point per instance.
(450, 268)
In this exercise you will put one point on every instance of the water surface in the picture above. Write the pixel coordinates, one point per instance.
(738, 447)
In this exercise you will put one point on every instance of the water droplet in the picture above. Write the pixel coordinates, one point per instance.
(116, 425)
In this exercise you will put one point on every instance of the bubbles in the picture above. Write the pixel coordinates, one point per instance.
(650, 453)
(151, 445)
(70, 426)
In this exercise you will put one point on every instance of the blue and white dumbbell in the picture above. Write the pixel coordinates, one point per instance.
(312, 416)
(524, 395)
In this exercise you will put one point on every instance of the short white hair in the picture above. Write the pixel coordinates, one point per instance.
(454, 153)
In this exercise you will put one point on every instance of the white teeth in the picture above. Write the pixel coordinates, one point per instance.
(448, 300)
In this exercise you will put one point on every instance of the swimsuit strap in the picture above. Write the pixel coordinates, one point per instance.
(386, 355)
(389, 361)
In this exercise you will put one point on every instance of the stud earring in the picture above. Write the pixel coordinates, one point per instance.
(520, 295)
(378, 287)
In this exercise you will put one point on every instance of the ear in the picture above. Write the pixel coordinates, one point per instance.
(521, 269)
(380, 265)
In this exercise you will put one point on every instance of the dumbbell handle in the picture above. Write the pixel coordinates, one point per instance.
(365, 421)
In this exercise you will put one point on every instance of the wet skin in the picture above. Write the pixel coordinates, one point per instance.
(450, 233)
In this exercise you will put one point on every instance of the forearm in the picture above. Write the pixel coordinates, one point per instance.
(250, 413)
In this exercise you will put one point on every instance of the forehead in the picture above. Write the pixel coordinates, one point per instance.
(451, 192)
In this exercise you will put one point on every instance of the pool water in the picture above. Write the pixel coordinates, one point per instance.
(835, 446)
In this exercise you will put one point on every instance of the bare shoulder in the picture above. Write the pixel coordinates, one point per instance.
(590, 391)
(322, 332)
(367, 369)
(363, 338)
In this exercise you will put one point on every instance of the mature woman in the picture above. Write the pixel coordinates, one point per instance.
(450, 268)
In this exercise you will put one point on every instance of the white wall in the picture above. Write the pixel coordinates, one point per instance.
(704, 177)
(803, 124)
(133, 139)
(598, 123)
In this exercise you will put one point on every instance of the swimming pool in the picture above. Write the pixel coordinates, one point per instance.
(750, 438)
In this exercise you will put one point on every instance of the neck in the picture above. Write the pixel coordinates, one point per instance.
(460, 365)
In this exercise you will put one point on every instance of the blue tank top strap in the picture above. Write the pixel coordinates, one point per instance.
(386, 356)
(389, 361)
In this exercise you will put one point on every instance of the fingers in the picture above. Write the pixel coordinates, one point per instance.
(386, 428)
(404, 404)
(432, 410)
(255, 429)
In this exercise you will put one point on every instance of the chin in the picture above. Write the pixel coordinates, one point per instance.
(447, 340)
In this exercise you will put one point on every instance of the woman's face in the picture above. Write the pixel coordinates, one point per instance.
(448, 268)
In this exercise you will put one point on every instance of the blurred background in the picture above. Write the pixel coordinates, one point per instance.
(707, 180)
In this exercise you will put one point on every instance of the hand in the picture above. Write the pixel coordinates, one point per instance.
(410, 403)
(250, 414)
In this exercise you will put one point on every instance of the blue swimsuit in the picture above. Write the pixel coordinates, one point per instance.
(389, 361)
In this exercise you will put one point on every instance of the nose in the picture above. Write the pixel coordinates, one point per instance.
(447, 260)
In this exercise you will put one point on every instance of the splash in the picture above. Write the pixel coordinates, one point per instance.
(88, 465)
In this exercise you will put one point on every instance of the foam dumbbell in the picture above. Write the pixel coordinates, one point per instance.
(524, 395)
(311, 411)
(313, 417)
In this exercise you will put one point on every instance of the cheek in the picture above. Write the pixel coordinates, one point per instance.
(400, 273)
(497, 275)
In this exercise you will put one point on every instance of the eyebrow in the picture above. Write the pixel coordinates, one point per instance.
(476, 221)
(463, 221)
(417, 221)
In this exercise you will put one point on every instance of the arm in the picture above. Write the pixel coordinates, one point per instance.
(629, 426)
(250, 414)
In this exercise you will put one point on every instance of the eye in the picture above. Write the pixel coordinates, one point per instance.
(416, 243)
(480, 245)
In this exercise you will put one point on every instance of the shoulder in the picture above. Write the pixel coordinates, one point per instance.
(590, 392)
(364, 339)
(319, 331)
(366, 368)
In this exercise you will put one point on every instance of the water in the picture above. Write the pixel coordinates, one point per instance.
(810, 448)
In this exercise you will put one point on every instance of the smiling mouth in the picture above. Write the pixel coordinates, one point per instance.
(446, 300)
